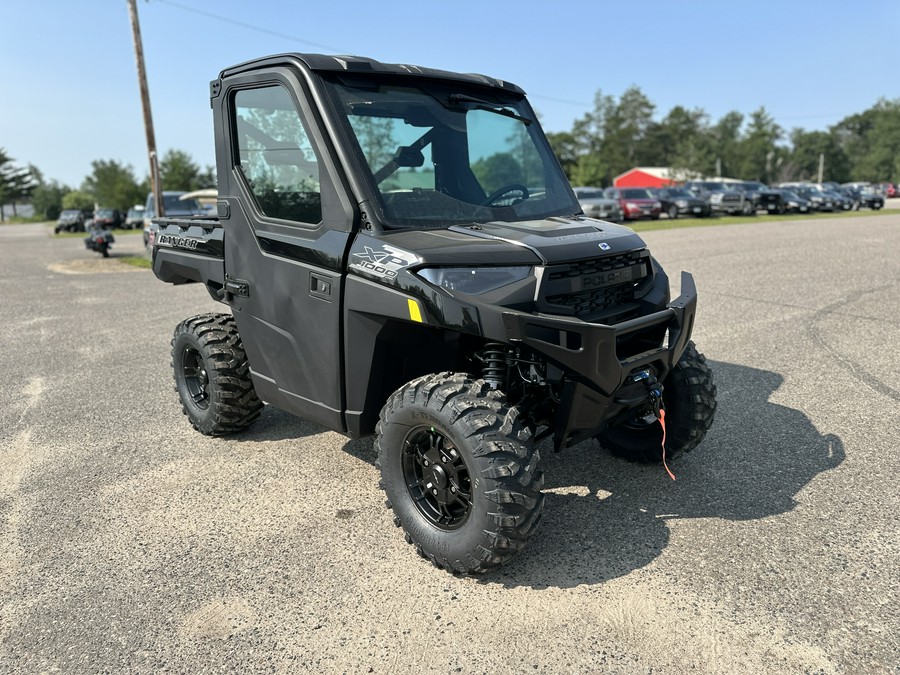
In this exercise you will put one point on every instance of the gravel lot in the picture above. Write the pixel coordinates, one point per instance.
(128, 542)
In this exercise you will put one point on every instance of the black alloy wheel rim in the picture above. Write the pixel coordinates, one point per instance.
(437, 478)
(195, 377)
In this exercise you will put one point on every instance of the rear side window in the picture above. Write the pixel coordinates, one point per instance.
(276, 156)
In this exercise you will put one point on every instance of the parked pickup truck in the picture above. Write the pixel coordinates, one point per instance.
(401, 255)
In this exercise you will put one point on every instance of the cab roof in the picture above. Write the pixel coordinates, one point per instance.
(359, 65)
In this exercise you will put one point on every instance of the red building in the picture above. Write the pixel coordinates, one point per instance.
(647, 176)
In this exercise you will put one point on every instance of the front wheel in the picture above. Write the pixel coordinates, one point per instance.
(673, 212)
(689, 397)
(460, 472)
(212, 376)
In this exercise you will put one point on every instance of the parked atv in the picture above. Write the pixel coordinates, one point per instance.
(402, 255)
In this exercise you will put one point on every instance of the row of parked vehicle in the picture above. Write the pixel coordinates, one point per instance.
(702, 199)
(177, 203)
(80, 220)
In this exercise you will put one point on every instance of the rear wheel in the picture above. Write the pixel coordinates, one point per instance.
(672, 212)
(212, 376)
(460, 472)
(689, 397)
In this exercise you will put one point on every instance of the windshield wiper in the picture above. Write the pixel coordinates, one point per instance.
(481, 104)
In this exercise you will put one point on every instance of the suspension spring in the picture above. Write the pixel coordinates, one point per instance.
(495, 358)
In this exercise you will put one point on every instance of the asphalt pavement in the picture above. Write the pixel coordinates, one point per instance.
(131, 543)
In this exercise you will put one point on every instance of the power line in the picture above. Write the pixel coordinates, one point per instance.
(249, 26)
(337, 50)
(292, 38)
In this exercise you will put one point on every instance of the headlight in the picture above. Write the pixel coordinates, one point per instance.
(681, 203)
(473, 280)
(631, 205)
(656, 205)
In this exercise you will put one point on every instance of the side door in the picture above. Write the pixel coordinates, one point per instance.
(288, 221)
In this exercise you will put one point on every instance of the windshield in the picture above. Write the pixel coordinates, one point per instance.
(444, 154)
(636, 193)
(590, 194)
(679, 192)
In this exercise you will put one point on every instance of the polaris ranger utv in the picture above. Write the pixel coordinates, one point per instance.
(402, 255)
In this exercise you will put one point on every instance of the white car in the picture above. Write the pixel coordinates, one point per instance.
(596, 205)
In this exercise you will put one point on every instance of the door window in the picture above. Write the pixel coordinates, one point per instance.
(276, 156)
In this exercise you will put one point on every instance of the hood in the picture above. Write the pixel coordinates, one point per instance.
(550, 241)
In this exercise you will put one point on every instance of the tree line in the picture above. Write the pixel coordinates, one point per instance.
(110, 184)
(620, 134)
(617, 135)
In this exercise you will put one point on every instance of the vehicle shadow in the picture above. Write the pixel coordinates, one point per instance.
(604, 517)
(277, 425)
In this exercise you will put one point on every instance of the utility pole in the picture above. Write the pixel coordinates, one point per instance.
(821, 165)
(145, 102)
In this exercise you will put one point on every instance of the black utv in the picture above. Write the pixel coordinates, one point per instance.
(401, 255)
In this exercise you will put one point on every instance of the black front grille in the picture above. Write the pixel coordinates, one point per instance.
(587, 303)
(600, 287)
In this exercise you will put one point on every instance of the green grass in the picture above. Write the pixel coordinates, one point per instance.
(137, 261)
(22, 220)
(665, 224)
(73, 235)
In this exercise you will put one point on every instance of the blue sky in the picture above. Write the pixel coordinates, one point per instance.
(69, 93)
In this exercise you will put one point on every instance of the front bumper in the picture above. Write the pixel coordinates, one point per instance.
(588, 354)
(695, 209)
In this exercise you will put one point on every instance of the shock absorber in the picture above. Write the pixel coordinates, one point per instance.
(495, 358)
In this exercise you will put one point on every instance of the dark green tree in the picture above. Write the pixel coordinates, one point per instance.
(590, 167)
(177, 171)
(16, 183)
(806, 148)
(76, 199)
(871, 142)
(684, 136)
(47, 199)
(565, 147)
(726, 136)
(112, 184)
(759, 152)
(625, 131)
(497, 170)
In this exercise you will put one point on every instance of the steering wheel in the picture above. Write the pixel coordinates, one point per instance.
(505, 190)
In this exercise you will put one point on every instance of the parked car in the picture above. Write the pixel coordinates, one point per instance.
(134, 218)
(782, 200)
(596, 205)
(70, 220)
(820, 201)
(886, 189)
(772, 202)
(108, 219)
(636, 203)
(679, 201)
(721, 197)
(753, 190)
(871, 199)
(845, 199)
(174, 205)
